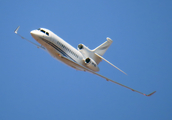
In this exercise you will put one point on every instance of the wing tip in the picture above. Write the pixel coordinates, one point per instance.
(150, 94)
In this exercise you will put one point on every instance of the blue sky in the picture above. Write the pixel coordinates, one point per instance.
(33, 85)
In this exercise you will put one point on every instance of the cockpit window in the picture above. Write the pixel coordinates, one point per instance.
(47, 33)
(43, 31)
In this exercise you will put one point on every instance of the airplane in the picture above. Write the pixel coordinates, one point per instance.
(82, 58)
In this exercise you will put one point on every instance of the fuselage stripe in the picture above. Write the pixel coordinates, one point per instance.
(58, 49)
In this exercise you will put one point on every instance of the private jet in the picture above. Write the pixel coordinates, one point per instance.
(82, 58)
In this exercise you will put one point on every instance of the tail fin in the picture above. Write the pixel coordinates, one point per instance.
(103, 47)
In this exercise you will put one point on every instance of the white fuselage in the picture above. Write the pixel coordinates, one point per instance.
(56, 46)
(82, 59)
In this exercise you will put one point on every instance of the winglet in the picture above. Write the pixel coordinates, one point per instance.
(17, 29)
(151, 93)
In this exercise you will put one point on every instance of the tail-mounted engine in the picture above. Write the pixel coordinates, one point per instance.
(80, 46)
(86, 52)
(90, 57)
(90, 63)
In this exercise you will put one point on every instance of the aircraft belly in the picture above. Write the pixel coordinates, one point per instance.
(54, 53)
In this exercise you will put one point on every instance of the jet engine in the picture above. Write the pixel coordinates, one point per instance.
(86, 52)
(91, 64)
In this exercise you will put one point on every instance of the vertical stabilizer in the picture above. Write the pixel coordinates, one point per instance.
(103, 47)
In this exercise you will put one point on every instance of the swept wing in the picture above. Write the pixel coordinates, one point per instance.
(86, 69)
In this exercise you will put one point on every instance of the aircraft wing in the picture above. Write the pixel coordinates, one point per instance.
(16, 31)
(86, 69)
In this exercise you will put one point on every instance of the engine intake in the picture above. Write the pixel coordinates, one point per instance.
(90, 63)
(80, 46)
(87, 60)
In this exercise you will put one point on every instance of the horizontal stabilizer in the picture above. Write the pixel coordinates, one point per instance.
(110, 63)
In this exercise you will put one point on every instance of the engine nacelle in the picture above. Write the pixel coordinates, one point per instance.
(90, 63)
(80, 46)
(86, 52)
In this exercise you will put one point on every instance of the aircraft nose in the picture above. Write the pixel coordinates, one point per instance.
(33, 33)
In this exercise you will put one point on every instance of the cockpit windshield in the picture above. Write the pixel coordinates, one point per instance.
(43, 31)
(47, 33)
